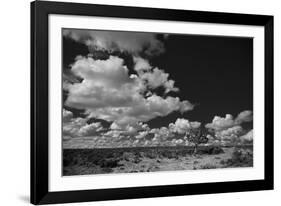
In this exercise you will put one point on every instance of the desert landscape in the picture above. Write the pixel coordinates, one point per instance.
(150, 102)
(152, 159)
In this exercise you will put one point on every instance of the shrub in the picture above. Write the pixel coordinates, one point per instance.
(240, 158)
(137, 160)
(66, 162)
(111, 163)
(211, 150)
(128, 156)
(169, 154)
(208, 166)
(151, 154)
(107, 170)
(215, 150)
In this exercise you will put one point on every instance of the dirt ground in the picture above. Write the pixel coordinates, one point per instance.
(189, 162)
(130, 163)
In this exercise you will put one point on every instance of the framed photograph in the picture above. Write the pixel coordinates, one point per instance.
(133, 102)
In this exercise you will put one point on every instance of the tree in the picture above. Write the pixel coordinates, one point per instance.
(196, 136)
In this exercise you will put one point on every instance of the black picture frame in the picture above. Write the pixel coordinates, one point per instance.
(40, 108)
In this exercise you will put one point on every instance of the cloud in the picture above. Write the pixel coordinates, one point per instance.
(222, 123)
(142, 135)
(66, 138)
(139, 135)
(66, 115)
(111, 72)
(248, 137)
(121, 138)
(137, 131)
(113, 133)
(108, 92)
(77, 127)
(228, 129)
(115, 126)
(167, 136)
(141, 65)
(90, 129)
(162, 133)
(72, 127)
(177, 141)
(157, 78)
(153, 77)
(131, 42)
(130, 130)
(143, 126)
(245, 116)
(230, 134)
(182, 126)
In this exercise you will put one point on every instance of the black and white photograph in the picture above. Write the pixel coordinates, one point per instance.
(151, 102)
(130, 102)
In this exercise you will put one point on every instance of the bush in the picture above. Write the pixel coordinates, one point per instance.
(128, 156)
(195, 162)
(208, 166)
(107, 170)
(169, 154)
(211, 150)
(110, 163)
(240, 158)
(215, 150)
(151, 154)
(66, 162)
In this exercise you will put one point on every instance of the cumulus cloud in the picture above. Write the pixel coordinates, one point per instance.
(131, 42)
(222, 123)
(90, 129)
(142, 135)
(138, 131)
(245, 116)
(167, 136)
(141, 65)
(153, 77)
(115, 126)
(77, 127)
(143, 126)
(72, 127)
(157, 78)
(248, 137)
(113, 133)
(182, 126)
(108, 92)
(228, 129)
(177, 141)
(162, 133)
(230, 134)
(66, 138)
(66, 115)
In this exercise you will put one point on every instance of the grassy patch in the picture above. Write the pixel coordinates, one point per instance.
(240, 158)
(98, 161)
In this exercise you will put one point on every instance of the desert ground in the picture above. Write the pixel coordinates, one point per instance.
(151, 159)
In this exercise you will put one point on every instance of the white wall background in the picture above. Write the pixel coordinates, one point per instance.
(14, 102)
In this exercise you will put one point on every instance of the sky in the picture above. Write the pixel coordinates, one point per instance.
(123, 89)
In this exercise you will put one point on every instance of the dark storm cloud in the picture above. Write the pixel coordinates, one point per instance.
(130, 42)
